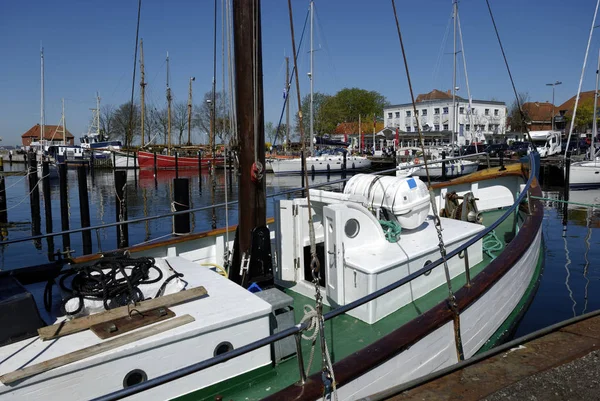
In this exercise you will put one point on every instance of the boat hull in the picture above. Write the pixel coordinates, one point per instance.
(584, 175)
(453, 170)
(320, 164)
(146, 160)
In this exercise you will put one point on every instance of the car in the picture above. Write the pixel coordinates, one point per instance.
(494, 149)
(471, 149)
(518, 149)
(580, 146)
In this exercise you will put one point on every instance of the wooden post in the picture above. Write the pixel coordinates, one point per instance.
(114, 160)
(567, 175)
(64, 204)
(444, 175)
(47, 207)
(302, 172)
(200, 170)
(155, 168)
(84, 209)
(176, 164)
(181, 196)
(3, 211)
(230, 171)
(121, 208)
(34, 197)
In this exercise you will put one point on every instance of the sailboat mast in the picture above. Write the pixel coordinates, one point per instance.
(142, 91)
(97, 116)
(169, 98)
(595, 122)
(250, 119)
(42, 117)
(189, 141)
(455, 6)
(64, 123)
(312, 134)
(287, 102)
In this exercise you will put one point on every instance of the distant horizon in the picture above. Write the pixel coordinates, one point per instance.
(355, 46)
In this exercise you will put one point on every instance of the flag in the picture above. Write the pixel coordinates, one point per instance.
(397, 137)
(284, 93)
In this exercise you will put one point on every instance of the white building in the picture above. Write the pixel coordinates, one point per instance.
(482, 121)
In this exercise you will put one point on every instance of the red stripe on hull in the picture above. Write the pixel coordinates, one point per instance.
(146, 160)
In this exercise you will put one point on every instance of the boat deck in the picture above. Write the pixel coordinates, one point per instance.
(356, 334)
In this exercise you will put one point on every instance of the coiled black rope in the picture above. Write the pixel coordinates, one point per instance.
(113, 280)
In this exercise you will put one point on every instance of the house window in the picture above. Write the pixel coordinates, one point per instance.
(468, 128)
(436, 110)
(445, 110)
(487, 112)
(424, 112)
(461, 110)
(408, 113)
(445, 127)
(397, 114)
(436, 126)
(389, 115)
(496, 112)
(482, 127)
(416, 129)
(407, 129)
(461, 128)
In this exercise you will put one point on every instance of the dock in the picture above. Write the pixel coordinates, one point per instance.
(560, 362)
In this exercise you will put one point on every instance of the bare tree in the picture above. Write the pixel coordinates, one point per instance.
(160, 122)
(127, 122)
(180, 119)
(202, 116)
(107, 121)
(518, 120)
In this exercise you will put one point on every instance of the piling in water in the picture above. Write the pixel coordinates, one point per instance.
(34, 197)
(181, 196)
(3, 211)
(155, 168)
(444, 175)
(121, 208)
(176, 165)
(302, 172)
(84, 209)
(47, 206)
(64, 204)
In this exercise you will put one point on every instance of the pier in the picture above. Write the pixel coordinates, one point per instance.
(560, 362)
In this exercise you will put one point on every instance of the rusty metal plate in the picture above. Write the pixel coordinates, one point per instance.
(133, 321)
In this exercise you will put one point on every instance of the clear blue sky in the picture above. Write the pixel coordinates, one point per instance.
(89, 47)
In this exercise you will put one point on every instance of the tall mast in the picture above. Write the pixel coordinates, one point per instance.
(595, 122)
(214, 88)
(64, 123)
(142, 90)
(97, 116)
(287, 102)
(169, 98)
(455, 6)
(42, 116)
(189, 141)
(464, 58)
(312, 8)
(250, 122)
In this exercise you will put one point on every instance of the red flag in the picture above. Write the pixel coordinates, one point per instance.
(397, 137)
(345, 137)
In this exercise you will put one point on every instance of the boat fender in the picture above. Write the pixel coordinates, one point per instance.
(256, 172)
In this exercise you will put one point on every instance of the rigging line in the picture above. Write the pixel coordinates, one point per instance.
(129, 137)
(289, 84)
(581, 78)
(512, 82)
(325, 45)
(214, 83)
(438, 62)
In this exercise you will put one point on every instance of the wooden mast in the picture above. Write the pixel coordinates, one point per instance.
(189, 141)
(250, 122)
(142, 89)
(169, 98)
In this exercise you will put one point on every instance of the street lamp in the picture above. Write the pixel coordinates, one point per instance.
(553, 107)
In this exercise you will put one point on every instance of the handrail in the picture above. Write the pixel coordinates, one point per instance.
(177, 374)
(199, 209)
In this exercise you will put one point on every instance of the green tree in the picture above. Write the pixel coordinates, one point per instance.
(585, 115)
(319, 125)
(518, 121)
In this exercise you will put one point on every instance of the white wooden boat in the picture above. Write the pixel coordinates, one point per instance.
(454, 168)
(585, 174)
(324, 163)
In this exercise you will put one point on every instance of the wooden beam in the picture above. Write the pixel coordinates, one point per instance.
(83, 323)
(94, 349)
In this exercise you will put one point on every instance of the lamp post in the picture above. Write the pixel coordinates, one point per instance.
(553, 85)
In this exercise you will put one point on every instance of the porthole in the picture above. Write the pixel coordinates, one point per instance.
(222, 348)
(134, 377)
(352, 228)
(427, 263)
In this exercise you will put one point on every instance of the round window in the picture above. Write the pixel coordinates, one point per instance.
(134, 377)
(427, 263)
(223, 348)
(352, 228)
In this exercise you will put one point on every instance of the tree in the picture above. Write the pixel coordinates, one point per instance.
(273, 135)
(127, 122)
(585, 115)
(179, 119)
(518, 121)
(202, 116)
(107, 122)
(319, 124)
(159, 123)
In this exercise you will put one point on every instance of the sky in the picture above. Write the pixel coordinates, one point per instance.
(89, 47)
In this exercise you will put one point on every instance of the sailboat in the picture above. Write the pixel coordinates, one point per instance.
(453, 168)
(168, 160)
(323, 161)
(368, 258)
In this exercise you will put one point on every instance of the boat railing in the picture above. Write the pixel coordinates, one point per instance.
(299, 328)
(447, 159)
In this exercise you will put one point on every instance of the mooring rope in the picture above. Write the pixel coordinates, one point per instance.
(594, 205)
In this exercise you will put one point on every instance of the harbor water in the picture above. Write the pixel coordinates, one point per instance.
(569, 286)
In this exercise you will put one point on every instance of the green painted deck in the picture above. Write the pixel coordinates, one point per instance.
(344, 334)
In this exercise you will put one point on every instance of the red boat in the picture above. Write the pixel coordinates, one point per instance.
(146, 160)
